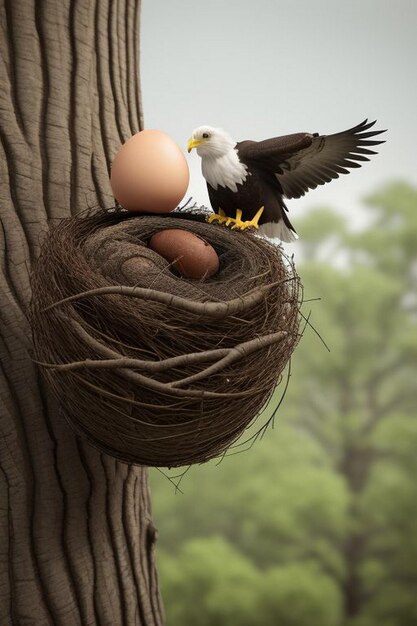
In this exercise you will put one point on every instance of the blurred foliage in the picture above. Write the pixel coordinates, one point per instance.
(211, 582)
(316, 524)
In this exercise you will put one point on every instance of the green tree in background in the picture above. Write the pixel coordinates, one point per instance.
(316, 525)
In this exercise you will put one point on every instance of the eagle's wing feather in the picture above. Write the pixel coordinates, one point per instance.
(321, 158)
(275, 148)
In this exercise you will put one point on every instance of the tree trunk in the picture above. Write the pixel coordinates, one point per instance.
(355, 467)
(76, 537)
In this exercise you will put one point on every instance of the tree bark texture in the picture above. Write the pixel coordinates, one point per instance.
(76, 536)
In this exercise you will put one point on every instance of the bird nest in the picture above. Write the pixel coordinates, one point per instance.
(153, 368)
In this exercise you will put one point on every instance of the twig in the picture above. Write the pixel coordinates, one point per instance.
(166, 388)
(238, 352)
(215, 310)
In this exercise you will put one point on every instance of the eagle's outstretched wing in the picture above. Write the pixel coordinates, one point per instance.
(301, 162)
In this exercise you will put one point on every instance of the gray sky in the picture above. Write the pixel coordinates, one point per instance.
(270, 67)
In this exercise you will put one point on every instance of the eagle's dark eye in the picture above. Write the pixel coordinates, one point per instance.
(206, 135)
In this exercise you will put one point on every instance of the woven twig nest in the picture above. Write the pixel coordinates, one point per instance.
(150, 367)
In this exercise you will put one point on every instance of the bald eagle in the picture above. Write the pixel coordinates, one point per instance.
(248, 181)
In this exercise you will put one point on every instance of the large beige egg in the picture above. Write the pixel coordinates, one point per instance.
(149, 173)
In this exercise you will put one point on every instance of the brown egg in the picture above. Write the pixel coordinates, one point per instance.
(192, 256)
(149, 173)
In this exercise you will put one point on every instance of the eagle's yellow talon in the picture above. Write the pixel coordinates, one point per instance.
(253, 223)
(236, 222)
(218, 217)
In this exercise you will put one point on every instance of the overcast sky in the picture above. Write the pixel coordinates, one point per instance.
(270, 67)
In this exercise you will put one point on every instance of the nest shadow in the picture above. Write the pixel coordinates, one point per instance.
(150, 367)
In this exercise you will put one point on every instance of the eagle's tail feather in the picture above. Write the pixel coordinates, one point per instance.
(278, 230)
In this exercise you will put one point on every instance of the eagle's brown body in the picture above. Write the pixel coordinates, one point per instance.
(261, 188)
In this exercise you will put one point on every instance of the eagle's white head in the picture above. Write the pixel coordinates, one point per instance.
(210, 142)
(220, 162)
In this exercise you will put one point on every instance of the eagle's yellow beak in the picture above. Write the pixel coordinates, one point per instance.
(193, 143)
